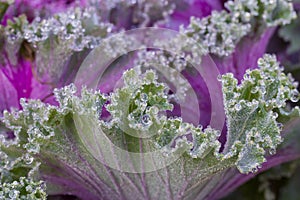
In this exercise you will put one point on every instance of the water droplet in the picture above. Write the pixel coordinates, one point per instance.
(236, 15)
(295, 96)
(219, 77)
(247, 77)
(280, 126)
(272, 151)
(13, 194)
(260, 62)
(200, 126)
(28, 159)
(29, 188)
(155, 110)
(254, 90)
(247, 17)
(238, 107)
(12, 37)
(144, 97)
(249, 104)
(146, 120)
(254, 170)
(263, 89)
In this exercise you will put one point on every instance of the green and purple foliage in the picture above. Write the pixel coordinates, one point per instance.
(144, 99)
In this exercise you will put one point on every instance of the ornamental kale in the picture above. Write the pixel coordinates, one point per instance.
(100, 101)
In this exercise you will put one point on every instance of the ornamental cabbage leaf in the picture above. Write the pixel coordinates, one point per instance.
(61, 146)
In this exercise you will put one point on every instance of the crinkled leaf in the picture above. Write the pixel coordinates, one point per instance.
(249, 109)
(54, 137)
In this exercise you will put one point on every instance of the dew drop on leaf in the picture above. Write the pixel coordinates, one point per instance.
(295, 96)
(146, 120)
(238, 107)
(144, 97)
